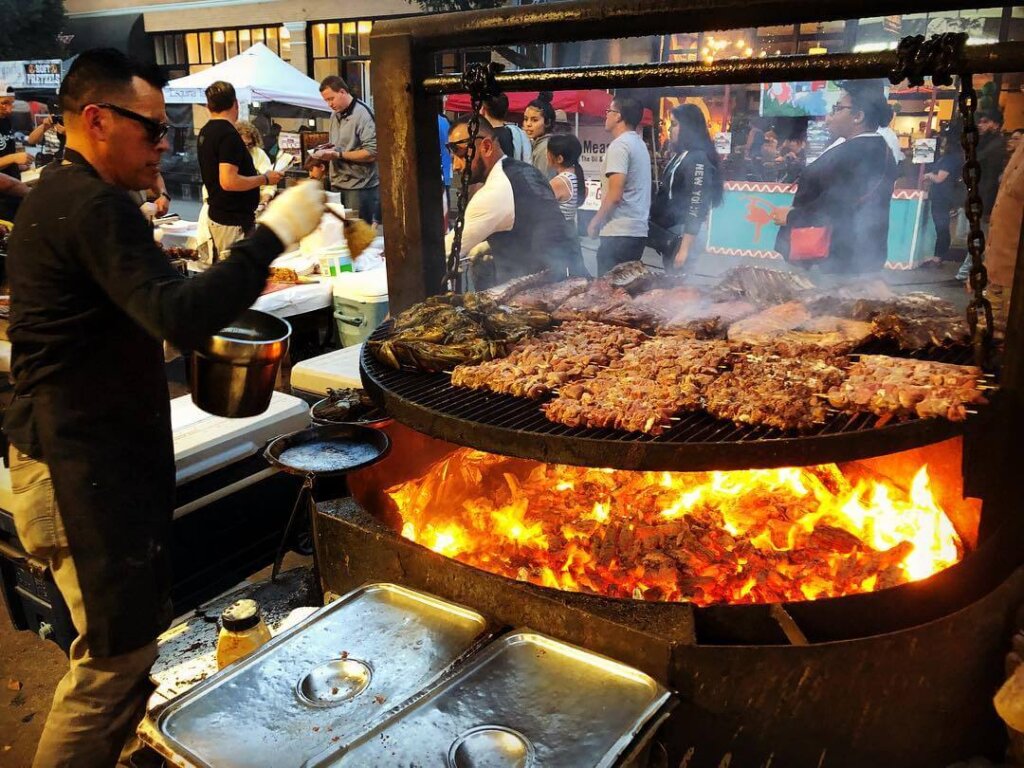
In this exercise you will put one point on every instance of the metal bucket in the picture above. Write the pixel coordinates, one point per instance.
(234, 372)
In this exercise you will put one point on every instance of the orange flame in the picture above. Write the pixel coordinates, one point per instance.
(748, 536)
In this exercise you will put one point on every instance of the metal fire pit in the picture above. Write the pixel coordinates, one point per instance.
(516, 426)
(897, 677)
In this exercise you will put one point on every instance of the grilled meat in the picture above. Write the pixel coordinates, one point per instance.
(784, 393)
(643, 389)
(902, 387)
(500, 294)
(633, 276)
(549, 297)
(535, 367)
(760, 286)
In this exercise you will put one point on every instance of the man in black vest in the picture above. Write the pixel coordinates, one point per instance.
(514, 213)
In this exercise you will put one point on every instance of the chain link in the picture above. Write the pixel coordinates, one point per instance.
(979, 306)
(940, 57)
(479, 80)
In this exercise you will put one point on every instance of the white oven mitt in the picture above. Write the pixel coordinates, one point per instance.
(295, 212)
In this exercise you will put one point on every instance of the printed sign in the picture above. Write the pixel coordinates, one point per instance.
(44, 73)
(924, 151)
(818, 139)
(595, 140)
(807, 99)
(723, 143)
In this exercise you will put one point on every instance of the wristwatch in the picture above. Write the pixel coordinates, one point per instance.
(164, 194)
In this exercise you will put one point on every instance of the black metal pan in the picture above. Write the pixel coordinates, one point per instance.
(328, 451)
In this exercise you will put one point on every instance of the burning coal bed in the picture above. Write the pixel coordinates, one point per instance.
(747, 536)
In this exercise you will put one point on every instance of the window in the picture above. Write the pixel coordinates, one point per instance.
(343, 48)
(203, 48)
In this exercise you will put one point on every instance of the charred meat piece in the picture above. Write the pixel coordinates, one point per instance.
(589, 305)
(633, 276)
(707, 320)
(500, 294)
(549, 297)
(767, 325)
(761, 286)
(444, 331)
(914, 321)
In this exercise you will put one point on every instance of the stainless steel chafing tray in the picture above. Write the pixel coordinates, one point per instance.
(324, 682)
(525, 700)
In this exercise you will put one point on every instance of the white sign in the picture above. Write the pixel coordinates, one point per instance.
(924, 151)
(723, 143)
(595, 140)
(31, 74)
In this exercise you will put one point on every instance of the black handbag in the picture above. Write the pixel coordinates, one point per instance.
(664, 241)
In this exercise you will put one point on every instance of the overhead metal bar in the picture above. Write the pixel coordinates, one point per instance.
(999, 57)
(600, 19)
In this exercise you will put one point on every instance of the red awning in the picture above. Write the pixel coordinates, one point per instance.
(588, 103)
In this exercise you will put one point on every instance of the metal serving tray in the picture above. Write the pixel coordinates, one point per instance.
(326, 681)
(524, 701)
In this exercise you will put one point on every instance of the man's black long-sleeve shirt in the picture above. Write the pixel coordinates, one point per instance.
(92, 296)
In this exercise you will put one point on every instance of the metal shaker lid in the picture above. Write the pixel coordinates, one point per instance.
(241, 615)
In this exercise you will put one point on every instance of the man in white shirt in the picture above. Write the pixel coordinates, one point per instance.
(514, 212)
(622, 218)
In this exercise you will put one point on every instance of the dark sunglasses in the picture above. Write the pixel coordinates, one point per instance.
(155, 130)
(461, 147)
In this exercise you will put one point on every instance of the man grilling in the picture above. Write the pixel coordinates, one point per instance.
(514, 212)
(92, 459)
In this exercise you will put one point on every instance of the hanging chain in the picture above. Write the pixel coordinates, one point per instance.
(979, 306)
(940, 57)
(479, 80)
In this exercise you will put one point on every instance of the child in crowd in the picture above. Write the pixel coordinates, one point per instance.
(569, 184)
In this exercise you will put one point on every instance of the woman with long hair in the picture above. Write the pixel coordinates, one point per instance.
(691, 185)
(538, 122)
(569, 183)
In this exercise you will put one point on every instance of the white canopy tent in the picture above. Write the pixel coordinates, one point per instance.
(257, 75)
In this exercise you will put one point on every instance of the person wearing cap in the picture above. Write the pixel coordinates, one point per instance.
(91, 451)
(12, 162)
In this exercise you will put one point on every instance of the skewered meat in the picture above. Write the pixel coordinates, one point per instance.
(777, 392)
(549, 297)
(633, 276)
(643, 389)
(901, 387)
(535, 367)
(760, 286)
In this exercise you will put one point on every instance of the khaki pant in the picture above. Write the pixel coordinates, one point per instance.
(100, 701)
(224, 236)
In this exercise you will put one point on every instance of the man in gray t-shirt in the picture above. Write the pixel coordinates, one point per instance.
(626, 189)
(353, 152)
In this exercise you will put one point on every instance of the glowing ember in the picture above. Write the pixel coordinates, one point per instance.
(750, 536)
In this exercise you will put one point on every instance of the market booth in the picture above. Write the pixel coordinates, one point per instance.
(765, 573)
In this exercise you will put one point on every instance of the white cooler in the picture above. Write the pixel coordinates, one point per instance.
(360, 304)
(336, 370)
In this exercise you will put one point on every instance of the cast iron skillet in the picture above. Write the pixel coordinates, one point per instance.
(328, 451)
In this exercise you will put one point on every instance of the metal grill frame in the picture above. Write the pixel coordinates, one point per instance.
(516, 426)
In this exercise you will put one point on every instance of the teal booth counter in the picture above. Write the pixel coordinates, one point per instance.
(741, 225)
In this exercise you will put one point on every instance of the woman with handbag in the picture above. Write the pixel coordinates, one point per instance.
(840, 213)
(691, 185)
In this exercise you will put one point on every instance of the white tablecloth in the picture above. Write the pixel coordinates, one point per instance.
(296, 300)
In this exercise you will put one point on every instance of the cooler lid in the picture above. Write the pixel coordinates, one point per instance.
(335, 370)
(370, 286)
(205, 443)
